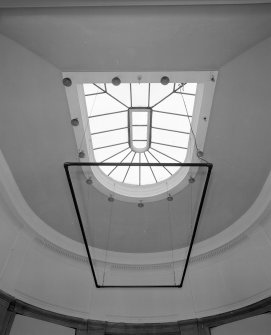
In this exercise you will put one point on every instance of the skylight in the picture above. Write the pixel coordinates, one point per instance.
(140, 123)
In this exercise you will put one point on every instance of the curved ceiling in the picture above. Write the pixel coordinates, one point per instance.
(37, 138)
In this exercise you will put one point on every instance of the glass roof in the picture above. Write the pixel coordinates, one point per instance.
(140, 123)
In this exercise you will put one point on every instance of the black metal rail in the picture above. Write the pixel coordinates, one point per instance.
(209, 167)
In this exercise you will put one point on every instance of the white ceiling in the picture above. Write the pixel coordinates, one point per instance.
(138, 38)
(34, 105)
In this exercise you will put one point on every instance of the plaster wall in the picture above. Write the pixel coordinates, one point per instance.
(238, 275)
(257, 325)
(30, 326)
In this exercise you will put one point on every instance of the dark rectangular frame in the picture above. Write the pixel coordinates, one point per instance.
(209, 166)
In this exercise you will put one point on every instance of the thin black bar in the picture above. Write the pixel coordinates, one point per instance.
(128, 168)
(186, 93)
(120, 162)
(107, 131)
(92, 116)
(174, 131)
(110, 145)
(209, 166)
(123, 104)
(89, 95)
(183, 115)
(160, 152)
(150, 168)
(176, 89)
(159, 162)
(169, 145)
(119, 152)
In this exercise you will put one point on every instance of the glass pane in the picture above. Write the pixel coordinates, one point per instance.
(102, 104)
(140, 95)
(176, 153)
(121, 92)
(91, 89)
(133, 174)
(146, 173)
(118, 136)
(140, 144)
(173, 122)
(107, 122)
(168, 137)
(173, 104)
(104, 153)
(139, 117)
(159, 91)
(119, 157)
(139, 133)
(190, 88)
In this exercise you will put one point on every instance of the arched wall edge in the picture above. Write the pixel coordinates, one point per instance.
(237, 274)
(11, 307)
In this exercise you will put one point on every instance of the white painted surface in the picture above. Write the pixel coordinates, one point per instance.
(53, 279)
(257, 325)
(24, 325)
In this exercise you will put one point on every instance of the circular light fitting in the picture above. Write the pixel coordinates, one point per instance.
(75, 122)
(116, 81)
(81, 154)
(164, 80)
(89, 181)
(67, 82)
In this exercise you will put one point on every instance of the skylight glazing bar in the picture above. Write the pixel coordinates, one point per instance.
(167, 96)
(160, 152)
(159, 162)
(111, 113)
(150, 168)
(162, 112)
(119, 152)
(120, 162)
(112, 96)
(109, 130)
(110, 145)
(170, 145)
(128, 168)
(174, 131)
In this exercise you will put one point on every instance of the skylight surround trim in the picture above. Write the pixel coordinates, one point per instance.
(178, 180)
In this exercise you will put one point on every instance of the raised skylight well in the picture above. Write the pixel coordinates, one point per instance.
(140, 122)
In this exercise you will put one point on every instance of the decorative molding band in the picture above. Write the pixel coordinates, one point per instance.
(103, 3)
(191, 325)
(61, 244)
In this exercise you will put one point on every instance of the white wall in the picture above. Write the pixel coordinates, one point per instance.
(257, 325)
(24, 325)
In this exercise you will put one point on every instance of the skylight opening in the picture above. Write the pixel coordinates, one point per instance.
(140, 123)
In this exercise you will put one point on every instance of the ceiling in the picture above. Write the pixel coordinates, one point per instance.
(35, 132)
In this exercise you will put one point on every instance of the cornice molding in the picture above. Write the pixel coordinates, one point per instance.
(64, 246)
(104, 3)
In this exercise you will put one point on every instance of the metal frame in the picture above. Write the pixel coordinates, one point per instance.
(209, 167)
